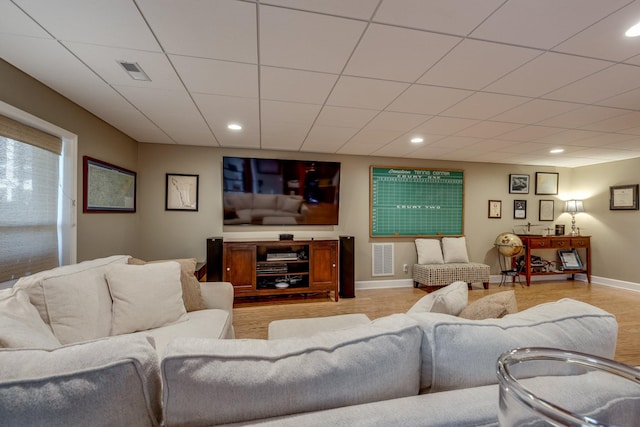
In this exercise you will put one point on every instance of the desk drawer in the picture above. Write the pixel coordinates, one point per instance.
(539, 243)
(561, 243)
(580, 242)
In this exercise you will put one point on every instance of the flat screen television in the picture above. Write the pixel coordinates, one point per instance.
(280, 192)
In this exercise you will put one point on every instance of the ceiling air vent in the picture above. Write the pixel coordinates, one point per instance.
(134, 70)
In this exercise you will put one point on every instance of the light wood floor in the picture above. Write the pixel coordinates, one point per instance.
(251, 319)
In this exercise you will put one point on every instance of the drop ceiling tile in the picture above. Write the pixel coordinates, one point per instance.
(483, 105)
(219, 111)
(488, 129)
(217, 77)
(521, 147)
(444, 125)
(395, 121)
(601, 85)
(630, 144)
(288, 112)
(345, 117)
(327, 139)
(421, 99)
(429, 152)
(93, 22)
(368, 140)
(530, 133)
(282, 84)
(489, 62)
(282, 136)
(400, 147)
(602, 140)
(15, 21)
(535, 111)
(454, 142)
(221, 29)
(629, 100)
(300, 40)
(446, 16)
(360, 9)
(582, 116)
(400, 54)
(173, 111)
(543, 23)
(546, 73)
(616, 124)
(364, 93)
(568, 136)
(605, 39)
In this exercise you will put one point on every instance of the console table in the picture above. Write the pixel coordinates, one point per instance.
(540, 243)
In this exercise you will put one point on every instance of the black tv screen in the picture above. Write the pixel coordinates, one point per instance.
(280, 192)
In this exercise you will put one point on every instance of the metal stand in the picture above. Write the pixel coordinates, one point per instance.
(508, 272)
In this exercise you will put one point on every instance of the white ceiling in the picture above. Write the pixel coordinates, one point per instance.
(486, 81)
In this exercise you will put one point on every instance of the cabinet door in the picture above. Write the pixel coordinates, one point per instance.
(239, 264)
(323, 265)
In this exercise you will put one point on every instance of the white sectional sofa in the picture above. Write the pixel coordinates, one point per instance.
(421, 368)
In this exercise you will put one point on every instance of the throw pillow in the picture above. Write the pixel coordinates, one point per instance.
(492, 306)
(451, 299)
(429, 251)
(20, 324)
(191, 292)
(145, 296)
(454, 249)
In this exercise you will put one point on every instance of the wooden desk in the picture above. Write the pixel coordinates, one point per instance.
(540, 243)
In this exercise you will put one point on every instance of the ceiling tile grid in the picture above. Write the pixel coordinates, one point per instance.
(492, 81)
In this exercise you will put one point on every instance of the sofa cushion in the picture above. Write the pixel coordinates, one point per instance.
(454, 249)
(191, 293)
(429, 251)
(492, 306)
(289, 203)
(267, 202)
(108, 382)
(238, 201)
(20, 324)
(74, 299)
(145, 296)
(451, 299)
(459, 353)
(205, 379)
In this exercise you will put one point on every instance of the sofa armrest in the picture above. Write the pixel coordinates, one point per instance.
(217, 295)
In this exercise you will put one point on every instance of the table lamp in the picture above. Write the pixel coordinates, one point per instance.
(573, 207)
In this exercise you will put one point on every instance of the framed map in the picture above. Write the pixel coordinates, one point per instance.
(107, 188)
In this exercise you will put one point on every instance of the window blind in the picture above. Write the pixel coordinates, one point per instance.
(29, 180)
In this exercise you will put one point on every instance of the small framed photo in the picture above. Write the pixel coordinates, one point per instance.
(570, 259)
(495, 208)
(181, 192)
(623, 197)
(546, 212)
(547, 183)
(519, 209)
(519, 183)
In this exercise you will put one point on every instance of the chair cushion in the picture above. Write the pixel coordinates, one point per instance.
(20, 324)
(454, 249)
(108, 382)
(451, 299)
(205, 379)
(429, 251)
(145, 296)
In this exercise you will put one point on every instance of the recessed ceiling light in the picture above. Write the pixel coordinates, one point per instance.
(633, 31)
(234, 126)
(556, 150)
(417, 140)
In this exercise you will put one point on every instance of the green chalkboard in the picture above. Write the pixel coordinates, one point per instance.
(414, 202)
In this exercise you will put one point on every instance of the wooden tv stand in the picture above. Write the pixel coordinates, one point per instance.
(283, 267)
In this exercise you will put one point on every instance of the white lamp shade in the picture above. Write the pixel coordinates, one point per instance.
(574, 206)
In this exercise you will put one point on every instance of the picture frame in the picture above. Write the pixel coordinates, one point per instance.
(495, 208)
(546, 211)
(623, 197)
(181, 192)
(107, 188)
(518, 183)
(519, 209)
(547, 183)
(570, 259)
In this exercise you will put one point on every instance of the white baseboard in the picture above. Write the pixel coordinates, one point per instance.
(616, 283)
(384, 284)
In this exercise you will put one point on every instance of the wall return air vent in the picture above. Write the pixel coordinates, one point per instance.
(382, 259)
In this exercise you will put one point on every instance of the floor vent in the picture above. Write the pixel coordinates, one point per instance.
(382, 259)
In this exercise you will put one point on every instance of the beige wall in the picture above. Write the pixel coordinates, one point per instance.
(182, 234)
(98, 234)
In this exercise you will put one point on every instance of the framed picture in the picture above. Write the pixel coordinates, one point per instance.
(519, 183)
(519, 209)
(623, 197)
(182, 192)
(107, 188)
(495, 209)
(546, 212)
(547, 183)
(570, 259)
